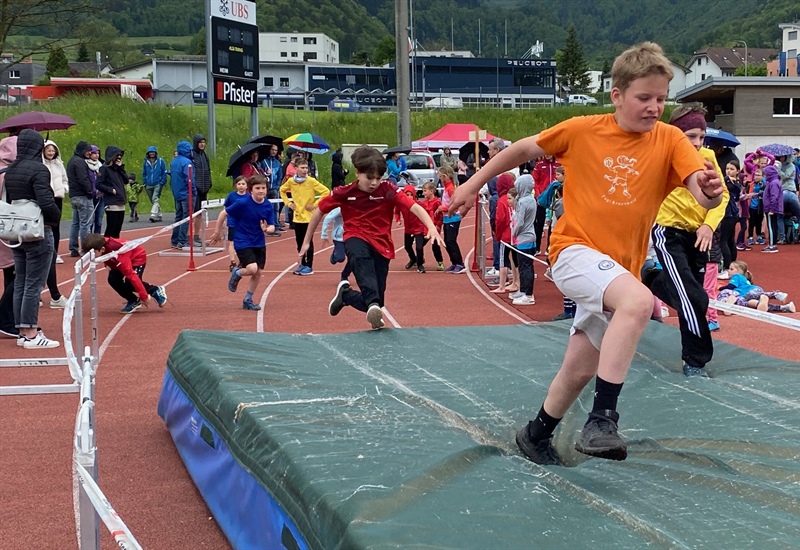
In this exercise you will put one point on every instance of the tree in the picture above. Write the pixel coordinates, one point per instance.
(752, 70)
(570, 64)
(361, 57)
(197, 45)
(384, 51)
(26, 17)
(57, 64)
(83, 54)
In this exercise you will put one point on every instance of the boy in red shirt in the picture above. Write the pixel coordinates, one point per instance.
(367, 207)
(431, 203)
(125, 272)
(413, 233)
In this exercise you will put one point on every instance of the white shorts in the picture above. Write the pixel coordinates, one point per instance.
(583, 274)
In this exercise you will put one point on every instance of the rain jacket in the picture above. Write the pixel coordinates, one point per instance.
(8, 152)
(78, 172)
(112, 179)
(202, 168)
(524, 212)
(27, 178)
(773, 195)
(180, 172)
(154, 171)
(58, 174)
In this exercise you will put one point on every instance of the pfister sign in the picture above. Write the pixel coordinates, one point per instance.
(242, 11)
(235, 92)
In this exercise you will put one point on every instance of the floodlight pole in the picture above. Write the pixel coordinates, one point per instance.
(745, 55)
(211, 133)
(402, 72)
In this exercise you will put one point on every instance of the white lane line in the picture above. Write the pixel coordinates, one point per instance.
(495, 301)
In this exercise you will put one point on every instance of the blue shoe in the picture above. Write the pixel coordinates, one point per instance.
(160, 296)
(299, 270)
(249, 304)
(130, 307)
(233, 282)
(306, 271)
(689, 371)
(713, 326)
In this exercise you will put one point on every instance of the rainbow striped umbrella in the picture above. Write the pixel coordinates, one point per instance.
(308, 142)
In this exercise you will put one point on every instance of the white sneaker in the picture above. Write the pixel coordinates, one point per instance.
(59, 260)
(664, 312)
(61, 303)
(781, 296)
(524, 300)
(515, 295)
(789, 308)
(375, 316)
(548, 274)
(39, 341)
(724, 275)
(492, 272)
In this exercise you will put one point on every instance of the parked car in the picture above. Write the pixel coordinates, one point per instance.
(422, 167)
(581, 99)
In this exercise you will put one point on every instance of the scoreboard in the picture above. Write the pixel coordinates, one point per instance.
(234, 47)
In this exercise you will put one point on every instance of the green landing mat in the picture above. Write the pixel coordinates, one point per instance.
(405, 439)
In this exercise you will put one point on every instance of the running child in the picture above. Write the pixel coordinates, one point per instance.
(249, 214)
(741, 291)
(413, 233)
(306, 193)
(125, 272)
(431, 203)
(622, 165)
(367, 208)
(240, 190)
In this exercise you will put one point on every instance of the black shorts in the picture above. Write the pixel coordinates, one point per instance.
(255, 255)
(198, 200)
(231, 232)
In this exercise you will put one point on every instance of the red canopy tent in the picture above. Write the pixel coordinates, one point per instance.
(449, 135)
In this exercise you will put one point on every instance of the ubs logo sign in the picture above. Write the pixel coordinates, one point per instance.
(223, 8)
(243, 11)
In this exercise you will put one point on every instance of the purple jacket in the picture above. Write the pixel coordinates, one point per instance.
(773, 195)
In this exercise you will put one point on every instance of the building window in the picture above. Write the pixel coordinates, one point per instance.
(786, 106)
(792, 35)
(284, 54)
(294, 39)
(269, 81)
(284, 82)
(699, 61)
(309, 40)
(13, 74)
(309, 55)
(791, 54)
(703, 76)
(294, 54)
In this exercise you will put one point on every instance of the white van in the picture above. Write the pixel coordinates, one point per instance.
(581, 99)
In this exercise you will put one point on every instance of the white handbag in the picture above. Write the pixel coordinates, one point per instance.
(20, 221)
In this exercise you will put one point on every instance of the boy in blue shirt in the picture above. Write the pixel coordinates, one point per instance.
(249, 215)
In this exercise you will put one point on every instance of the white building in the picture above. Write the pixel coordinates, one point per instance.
(717, 62)
(297, 47)
(791, 39)
(677, 84)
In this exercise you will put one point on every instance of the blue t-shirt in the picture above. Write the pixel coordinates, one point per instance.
(232, 197)
(247, 216)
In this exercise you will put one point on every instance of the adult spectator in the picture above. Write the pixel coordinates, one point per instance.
(8, 153)
(59, 183)
(202, 180)
(179, 170)
(449, 159)
(791, 202)
(272, 167)
(722, 152)
(94, 162)
(28, 179)
(80, 196)
(111, 182)
(338, 171)
(154, 178)
(544, 173)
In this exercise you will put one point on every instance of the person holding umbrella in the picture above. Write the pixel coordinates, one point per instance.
(252, 167)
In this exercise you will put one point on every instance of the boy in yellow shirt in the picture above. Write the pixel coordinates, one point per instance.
(306, 193)
(621, 166)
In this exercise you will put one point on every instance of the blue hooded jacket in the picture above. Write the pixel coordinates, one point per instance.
(154, 172)
(180, 172)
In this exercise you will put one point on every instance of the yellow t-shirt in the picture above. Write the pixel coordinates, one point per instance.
(308, 192)
(615, 183)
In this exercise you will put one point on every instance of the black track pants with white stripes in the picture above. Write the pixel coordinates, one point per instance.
(680, 285)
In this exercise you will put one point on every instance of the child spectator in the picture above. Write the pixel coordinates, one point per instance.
(525, 236)
(544, 173)
(133, 189)
(513, 277)
(154, 178)
(112, 181)
(755, 160)
(248, 213)
(741, 291)
(431, 203)
(773, 206)
(413, 233)
(727, 227)
(733, 171)
(756, 209)
(451, 222)
(339, 255)
(547, 199)
(623, 165)
(306, 193)
(125, 272)
(367, 208)
(503, 215)
(240, 190)
(710, 279)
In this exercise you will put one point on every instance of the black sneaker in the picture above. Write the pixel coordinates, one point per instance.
(421, 269)
(691, 370)
(541, 453)
(563, 316)
(600, 437)
(337, 303)
(409, 265)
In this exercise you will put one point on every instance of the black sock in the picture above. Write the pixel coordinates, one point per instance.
(542, 426)
(605, 395)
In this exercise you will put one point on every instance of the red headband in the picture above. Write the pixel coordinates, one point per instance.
(690, 121)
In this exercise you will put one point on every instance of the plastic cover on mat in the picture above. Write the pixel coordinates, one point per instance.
(405, 438)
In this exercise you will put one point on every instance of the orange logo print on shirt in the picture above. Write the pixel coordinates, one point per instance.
(620, 172)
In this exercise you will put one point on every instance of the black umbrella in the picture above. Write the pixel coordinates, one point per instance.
(266, 138)
(469, 149)
(242, 155)
(397, 149)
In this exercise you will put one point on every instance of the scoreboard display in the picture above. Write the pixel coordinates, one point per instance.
(234, 47)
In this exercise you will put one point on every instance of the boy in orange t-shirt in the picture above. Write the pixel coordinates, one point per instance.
(621, 167)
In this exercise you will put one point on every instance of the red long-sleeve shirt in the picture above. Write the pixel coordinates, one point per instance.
(125, 262)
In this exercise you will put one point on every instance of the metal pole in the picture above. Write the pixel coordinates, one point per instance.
(413, 52)
(211, 133)
(95, 309)
(402, 72)
(254, 121)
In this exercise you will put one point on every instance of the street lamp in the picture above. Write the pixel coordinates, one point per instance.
(745, 55)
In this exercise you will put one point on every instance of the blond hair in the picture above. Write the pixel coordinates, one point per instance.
(742, 266)
(447, 172)
(640, 61)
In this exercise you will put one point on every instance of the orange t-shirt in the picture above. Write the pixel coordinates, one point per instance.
(615, 183)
